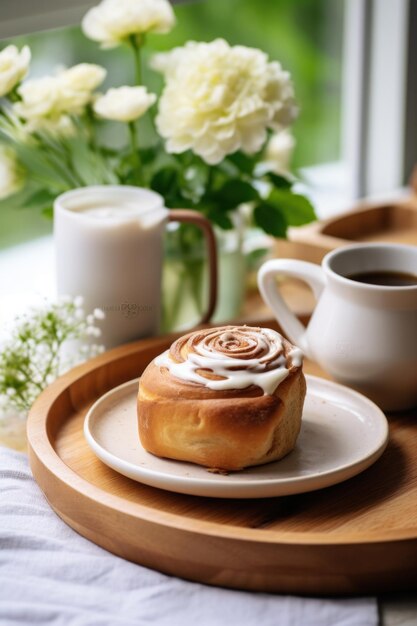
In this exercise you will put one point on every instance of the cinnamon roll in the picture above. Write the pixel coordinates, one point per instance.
(226, 398)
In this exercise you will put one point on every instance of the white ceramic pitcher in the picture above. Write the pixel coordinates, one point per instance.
(364, 335)
(109, 249)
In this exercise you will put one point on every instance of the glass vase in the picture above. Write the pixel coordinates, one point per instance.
(185, 276)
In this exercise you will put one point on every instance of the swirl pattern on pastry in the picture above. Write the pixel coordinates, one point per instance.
(232, 357)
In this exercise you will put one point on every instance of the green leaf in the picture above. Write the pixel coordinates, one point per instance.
(48, 212)
(296, 209)
(165, 181)
(147, 155)
(254, 257)
(244, 162)
(36, 162)
(40, 199)
(220, 219)
(279, 182)
(218, 178)
(89, 166)
(270, 219)
(233, 193)
(18, 199)
(227, 169)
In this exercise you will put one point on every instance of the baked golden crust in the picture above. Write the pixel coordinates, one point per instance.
(227, 429)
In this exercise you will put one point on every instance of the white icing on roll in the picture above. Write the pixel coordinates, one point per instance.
(227, 352)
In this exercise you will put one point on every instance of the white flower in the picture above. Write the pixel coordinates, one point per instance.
(14, 66)
(113, 21)
(39, 98)
(124, 104)
(279, 151)
(54, 97)
(79, 314)
(84, 77)
(10, 177)
(92, 331)
(99, 314)
(219, 99)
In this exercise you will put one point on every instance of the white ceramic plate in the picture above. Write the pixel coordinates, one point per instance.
(342, 434)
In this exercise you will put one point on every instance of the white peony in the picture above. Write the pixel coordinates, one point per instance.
(124, 104)
(14, 66)
(219, 99)
(10, 177)
(279, 151)
(52, 97)
(113, 21)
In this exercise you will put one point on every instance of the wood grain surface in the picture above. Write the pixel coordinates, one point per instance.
(356, 537)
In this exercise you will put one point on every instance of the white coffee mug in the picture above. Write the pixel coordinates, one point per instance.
(109, 250)
(365, 335)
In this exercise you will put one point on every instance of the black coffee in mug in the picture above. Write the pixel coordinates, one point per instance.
(385, 278)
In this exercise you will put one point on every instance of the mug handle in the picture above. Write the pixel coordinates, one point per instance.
(309, 273)
(192, 217)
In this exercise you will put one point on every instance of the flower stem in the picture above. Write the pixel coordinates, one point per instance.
(89, 121)
(133, 136)
(135, 148)
(136, 43)
(136, 47)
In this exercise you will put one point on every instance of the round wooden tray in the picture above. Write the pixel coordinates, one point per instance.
(356, 537)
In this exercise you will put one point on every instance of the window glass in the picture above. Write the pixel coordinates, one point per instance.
(305, 36)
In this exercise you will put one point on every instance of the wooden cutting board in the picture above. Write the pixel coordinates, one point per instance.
(357, 537)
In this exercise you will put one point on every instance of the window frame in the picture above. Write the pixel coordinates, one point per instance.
(22, 17)
(379, 104)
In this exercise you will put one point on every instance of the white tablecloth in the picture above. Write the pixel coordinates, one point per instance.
(51, 575)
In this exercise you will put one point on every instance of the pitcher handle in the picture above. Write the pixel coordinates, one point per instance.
(192, 217)
(309, 273)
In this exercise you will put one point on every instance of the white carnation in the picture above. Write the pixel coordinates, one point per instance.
(124, 104)
(39, 97)
(219, 99)
(84, 77)
(279, 151)
(113, 21)
(14, 66)
(10, 176)
(49, 100)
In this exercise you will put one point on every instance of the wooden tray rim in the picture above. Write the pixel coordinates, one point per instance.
(41, 449)
(315, 229)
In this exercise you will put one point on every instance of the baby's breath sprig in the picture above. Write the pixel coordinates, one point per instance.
(43, 344)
